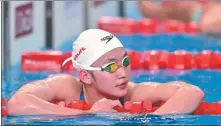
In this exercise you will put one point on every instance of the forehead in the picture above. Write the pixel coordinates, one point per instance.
(116, 54)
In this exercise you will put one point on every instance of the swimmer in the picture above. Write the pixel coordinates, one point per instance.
(104, 81)
(204, 14)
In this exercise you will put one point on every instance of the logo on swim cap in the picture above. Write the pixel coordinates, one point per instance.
(79, 52)
(108, 38)
(90, 45)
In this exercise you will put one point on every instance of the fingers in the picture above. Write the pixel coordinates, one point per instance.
(115, 103)
(111, 102)
(105, 105)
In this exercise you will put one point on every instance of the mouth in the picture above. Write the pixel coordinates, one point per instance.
(122, 84)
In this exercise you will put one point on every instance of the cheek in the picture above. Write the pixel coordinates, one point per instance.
(105, 79)
(128, 71)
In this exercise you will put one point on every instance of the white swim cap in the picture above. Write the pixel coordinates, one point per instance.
(91, 45)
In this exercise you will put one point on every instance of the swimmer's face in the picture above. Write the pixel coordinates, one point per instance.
(112, 84)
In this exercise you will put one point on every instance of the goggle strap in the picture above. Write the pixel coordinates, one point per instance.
(80, 65)
(84, 66)
(108, 64)
(67, 60)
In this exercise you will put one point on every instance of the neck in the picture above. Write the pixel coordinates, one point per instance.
(92, 95)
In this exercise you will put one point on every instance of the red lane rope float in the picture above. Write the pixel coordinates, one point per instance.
(174, 26)
(3, 110)
(135, 58)
(3, 102)
(150, 59)
(140, 107)
(208, 108)
(42, 61)
(147, 26)
(80, 104)
(208, 59)
(118, 25)
(178, 60)
(155, 59)
(192, 28)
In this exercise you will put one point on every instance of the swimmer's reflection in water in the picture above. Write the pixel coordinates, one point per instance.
(104, 71)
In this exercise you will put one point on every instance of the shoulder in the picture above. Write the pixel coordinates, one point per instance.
(59, 86)
(57, 80)
(64, 78)
(136, 88)
(133, 85)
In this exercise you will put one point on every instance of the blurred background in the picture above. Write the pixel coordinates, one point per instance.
(38, 25)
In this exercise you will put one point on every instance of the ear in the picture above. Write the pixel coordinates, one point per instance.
(85, 77)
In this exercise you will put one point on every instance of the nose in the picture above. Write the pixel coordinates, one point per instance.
(121, 72)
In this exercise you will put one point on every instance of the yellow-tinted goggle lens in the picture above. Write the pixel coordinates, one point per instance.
(112, 67)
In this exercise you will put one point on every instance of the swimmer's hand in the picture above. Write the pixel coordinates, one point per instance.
(104, 105)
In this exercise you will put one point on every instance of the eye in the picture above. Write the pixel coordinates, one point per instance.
(109, 67)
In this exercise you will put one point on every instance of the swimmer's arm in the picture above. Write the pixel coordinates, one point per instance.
(28, 104)
(211, 20)
(36, 96)
(148, 8)
(182, 12)
(180, 97)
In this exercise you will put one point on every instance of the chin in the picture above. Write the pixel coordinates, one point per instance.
(117, 93)
(121, 93)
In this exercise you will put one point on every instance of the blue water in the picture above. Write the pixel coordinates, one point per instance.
(208, 80)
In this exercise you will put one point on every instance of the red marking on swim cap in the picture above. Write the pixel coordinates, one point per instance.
(79, 53)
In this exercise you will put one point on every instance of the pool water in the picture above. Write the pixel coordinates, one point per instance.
(208, 80)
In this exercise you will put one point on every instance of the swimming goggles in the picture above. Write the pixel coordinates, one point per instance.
(110, 67)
